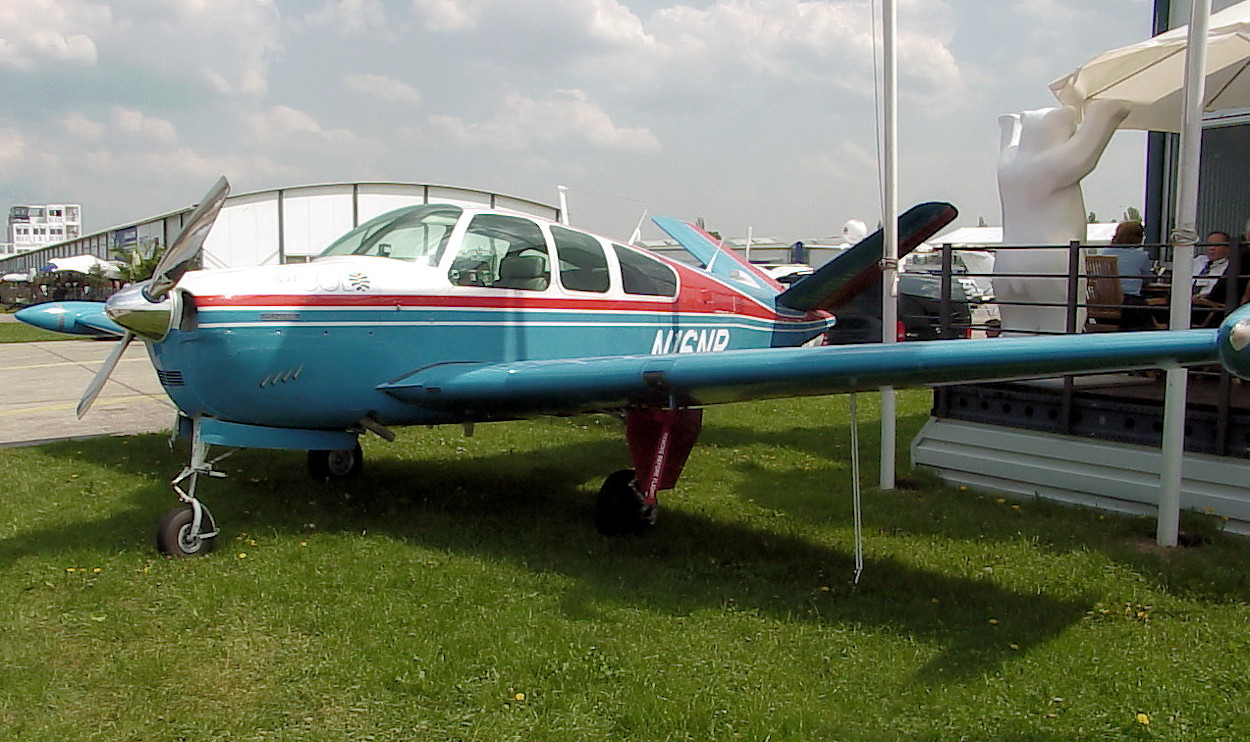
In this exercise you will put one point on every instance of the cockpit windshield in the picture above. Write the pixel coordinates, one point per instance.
(415, 233)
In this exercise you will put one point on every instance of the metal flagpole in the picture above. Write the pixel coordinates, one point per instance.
(889, 263)
(1184, 235)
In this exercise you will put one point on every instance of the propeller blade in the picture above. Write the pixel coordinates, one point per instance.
(186, 246)
(102, 375)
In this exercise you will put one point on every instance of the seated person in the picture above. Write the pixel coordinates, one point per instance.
(1133, 266)
(1210, 296)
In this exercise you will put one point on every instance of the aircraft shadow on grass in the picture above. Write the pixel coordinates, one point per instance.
(535, 518)
(1123, 540)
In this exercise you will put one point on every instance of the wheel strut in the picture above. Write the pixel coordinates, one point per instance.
(177, 534)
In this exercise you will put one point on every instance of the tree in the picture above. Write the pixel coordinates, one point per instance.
(1093, 218)
(1131, 214)
(138, 264)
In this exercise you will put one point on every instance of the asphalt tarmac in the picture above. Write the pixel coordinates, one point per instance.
(40, 384)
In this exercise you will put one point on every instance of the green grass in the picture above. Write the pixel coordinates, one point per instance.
(19, 332)
(457, 591)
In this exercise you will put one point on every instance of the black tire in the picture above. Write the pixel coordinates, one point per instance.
(620, 509)
(326, 465)
(173, 533)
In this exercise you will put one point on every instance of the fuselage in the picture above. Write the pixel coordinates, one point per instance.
(306, 345)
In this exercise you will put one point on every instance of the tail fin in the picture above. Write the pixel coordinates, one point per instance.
(850, 273)
(719, 260)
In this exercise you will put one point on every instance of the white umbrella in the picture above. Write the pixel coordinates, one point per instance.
(1150, 74)
(85, 264)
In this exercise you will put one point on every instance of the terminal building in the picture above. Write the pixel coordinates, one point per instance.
(31, 227)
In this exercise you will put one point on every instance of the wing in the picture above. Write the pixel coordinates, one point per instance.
(483, 391)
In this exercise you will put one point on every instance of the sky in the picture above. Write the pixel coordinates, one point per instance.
(750, 114)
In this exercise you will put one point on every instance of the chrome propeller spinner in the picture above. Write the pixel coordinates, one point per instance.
(149, 309)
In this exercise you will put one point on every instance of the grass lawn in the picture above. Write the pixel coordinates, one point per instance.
(458, 591)
(20, 332)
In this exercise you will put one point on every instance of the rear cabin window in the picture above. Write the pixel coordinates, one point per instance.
(642, 274)
(583, 264)
(503, 252)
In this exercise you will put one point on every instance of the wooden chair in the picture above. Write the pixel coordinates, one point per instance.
(1103, 293)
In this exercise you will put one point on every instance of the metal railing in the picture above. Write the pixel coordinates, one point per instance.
(1218, 414)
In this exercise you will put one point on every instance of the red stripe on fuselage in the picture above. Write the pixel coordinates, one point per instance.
(699, 293)
(699, 303)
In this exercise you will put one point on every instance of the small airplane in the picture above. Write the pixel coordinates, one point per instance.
(444, 314)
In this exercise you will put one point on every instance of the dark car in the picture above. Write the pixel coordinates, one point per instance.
(919, 312)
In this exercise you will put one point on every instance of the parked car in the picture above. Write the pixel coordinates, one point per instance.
(919, 312)
(919, 307)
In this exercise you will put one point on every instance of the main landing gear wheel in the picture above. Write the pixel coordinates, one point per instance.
(174, 533)
(327, 465)
(620, 509)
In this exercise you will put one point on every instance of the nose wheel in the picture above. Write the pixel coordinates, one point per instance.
(189, 529)
(185, 532)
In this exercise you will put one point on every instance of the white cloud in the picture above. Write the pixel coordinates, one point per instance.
(762, 106)
(47, 30)
(286, 127)
(773, 48)
(12, 147)
(79, 126)
(564, 118)
(611, 22)
(350, 16)
(156, 130)
(381, 86)
(228, 45)
(450, 16)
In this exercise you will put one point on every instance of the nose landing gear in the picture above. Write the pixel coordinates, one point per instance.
(189, 528)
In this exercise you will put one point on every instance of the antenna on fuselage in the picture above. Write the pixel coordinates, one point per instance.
(633, 238)
(564, 204)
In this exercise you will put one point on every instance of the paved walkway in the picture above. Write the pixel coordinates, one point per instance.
(40, 384)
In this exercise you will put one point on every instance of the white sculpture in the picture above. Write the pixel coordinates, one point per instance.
(1043, 157)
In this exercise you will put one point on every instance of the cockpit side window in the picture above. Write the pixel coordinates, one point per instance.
(416, 233)
(583, 264)
(642, 274)
(505, 252)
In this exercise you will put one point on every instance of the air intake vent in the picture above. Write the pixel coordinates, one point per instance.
(169, 378)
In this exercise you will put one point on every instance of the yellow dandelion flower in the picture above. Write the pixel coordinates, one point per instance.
(1143, 719)
(243, 555)
(519, 696)
(993, 621)
(96, 571)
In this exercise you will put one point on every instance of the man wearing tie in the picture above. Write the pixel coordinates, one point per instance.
(1208, 267)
